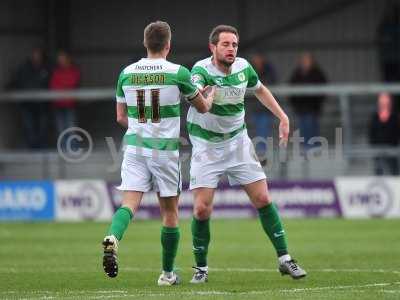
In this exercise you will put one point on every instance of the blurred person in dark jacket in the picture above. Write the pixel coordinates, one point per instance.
(384, 130)
(388, 38)
(261, 118)
(388, 45)
(308, 108)
(33, 75)
(265, 69)
(65, 76)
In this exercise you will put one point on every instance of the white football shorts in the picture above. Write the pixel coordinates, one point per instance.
(143, 173)
(238, 161)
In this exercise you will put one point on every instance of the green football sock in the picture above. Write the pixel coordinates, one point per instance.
(271, 222)
(201, 240)
(120, 221)
(169, 241)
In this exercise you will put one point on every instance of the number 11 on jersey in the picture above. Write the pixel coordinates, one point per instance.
(155, 106)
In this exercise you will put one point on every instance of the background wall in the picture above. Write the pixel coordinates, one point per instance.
(106, 35)
(340, 33)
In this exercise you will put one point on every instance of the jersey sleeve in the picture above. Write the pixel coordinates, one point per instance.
(253, 82)
(185, 85)
(120, 96)
(199, 77)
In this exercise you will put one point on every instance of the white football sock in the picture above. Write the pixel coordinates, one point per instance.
(284, 258)
(204, 269)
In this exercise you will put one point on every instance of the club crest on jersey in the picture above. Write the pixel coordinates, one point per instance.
(241, 76)
(195, 78)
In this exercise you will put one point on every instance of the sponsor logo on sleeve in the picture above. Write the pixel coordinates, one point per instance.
(195, 78)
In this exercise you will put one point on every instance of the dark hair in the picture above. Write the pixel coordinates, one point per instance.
(156, 36)
(214, 35)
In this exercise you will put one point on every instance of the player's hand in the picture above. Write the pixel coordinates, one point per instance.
(208, 91)
(284, 132)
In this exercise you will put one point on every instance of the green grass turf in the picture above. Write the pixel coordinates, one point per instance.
(358, 259)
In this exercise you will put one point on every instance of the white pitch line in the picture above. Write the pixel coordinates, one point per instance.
(262, 270)
(341, 287)
(110, 291)
(311, 270)
(391, 291)
(219, 293)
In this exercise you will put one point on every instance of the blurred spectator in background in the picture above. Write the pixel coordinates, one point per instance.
(261, 117)
(65, 76)
(307, 108)
(265, 69)
(33, 75)
(389, 42)
(384, 130)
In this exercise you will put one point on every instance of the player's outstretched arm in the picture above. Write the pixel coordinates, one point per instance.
(204, 99)
(122, 115)
(268, 100)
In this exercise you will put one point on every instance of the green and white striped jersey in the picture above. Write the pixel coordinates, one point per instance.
(225, 120)
(151, 89)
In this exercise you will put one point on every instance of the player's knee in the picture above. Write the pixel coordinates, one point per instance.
(262, 200)
(202, 212)
(170, 220)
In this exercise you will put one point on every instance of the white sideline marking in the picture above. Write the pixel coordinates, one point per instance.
(213, 293)
(341, 287)
(391, 291)
(140, 293)
(110, 291)
(311, 270)
(249, 270)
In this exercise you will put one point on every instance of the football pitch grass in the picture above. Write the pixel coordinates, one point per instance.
(357, 259)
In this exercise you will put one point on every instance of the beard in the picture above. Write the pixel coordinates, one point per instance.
(224, 62)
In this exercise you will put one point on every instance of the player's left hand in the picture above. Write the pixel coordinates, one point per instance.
(208, 90)
(283, 132)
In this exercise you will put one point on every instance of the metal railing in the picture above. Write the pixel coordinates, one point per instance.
(341, 91)
(337, 92)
